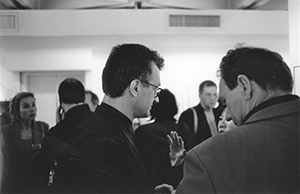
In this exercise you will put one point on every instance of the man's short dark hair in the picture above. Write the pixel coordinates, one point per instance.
(206, 83)
(71, 91)
(260, 65)
(126, 63)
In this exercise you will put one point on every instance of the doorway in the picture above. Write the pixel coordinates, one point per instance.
(44, 86)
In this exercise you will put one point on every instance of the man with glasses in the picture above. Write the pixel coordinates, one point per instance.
(157, 88)
(106, 159)
(202, 119)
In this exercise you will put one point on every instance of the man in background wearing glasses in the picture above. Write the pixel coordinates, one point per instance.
(106, 159)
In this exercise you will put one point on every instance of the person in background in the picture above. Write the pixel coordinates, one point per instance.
(202, 119)
(177, 143)
(152, 142)
(59, 140)
(4, 116)
(22, 140)
(225, 122)
(107, 160)
(262, 154)
(91, 99)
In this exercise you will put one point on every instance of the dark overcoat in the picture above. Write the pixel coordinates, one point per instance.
(106, 159)
(18, 164)
(260, 156)
(56, 146)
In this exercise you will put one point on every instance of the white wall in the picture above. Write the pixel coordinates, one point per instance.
(141, 22)
(71, 40)
(294, 36)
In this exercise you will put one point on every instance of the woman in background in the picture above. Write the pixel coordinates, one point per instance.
(22, 140)
(152, 142)
(225, 122)
(176, 143)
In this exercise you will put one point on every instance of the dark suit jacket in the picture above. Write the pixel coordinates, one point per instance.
(260, 156)
(58, 142)
(106, 159)
(152, 143)
(203, 131)
(18, 164)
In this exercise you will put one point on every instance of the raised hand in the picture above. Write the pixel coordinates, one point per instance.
(177, 151)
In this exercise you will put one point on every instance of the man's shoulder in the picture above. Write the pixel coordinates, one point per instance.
(288, 111)
(217, 149)
(59, 126)
(99, 128)
(99, 123)
(62, 130)
(186, 113)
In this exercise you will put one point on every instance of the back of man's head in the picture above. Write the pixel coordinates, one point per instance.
(262, 66)
(71, 91)
(206, 83)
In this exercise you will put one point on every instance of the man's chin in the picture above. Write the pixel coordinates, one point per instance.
(148, 113)
(212, 105)
(143, 116)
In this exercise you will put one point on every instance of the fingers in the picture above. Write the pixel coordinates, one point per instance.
(182, 145)
(173, 134)
(180, 142)
(175, 140)
(170, 140)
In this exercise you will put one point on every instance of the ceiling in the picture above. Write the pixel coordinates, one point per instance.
(144, 4)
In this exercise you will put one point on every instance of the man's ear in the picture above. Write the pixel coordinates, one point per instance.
(245, 85)
(134, 87)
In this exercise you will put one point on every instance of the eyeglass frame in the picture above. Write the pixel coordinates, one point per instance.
(157, 88)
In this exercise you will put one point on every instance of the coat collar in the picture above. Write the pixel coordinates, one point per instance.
(80, 111)
(110, 112)
(287, 104)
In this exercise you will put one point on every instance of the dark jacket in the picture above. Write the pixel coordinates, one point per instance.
(203, 130)
(58, 142)
(106, 159)
(18, 161)
(260, 156)
(152, 143)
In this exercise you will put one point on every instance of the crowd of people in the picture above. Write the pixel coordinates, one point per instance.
(243, 138)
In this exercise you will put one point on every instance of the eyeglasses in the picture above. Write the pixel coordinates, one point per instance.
(157, 88)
